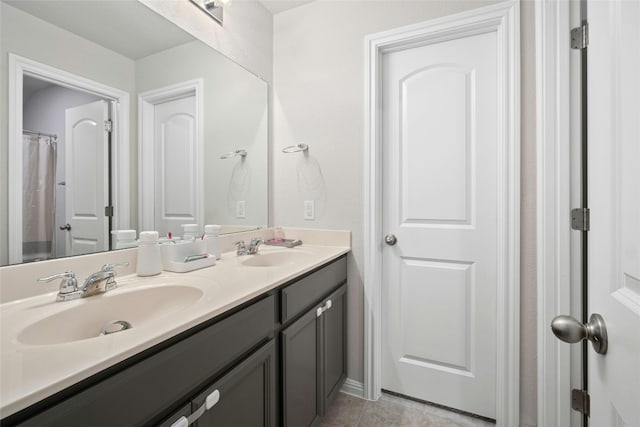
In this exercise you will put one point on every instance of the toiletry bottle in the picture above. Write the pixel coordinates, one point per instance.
(189, 232)
(211, 239)
(149, 261)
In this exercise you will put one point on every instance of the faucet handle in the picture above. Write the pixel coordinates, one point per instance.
(240, 244)
(109, 268)
(257, 241)
(68, 285)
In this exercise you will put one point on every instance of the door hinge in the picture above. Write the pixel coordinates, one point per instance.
(580, 37)
(580, 401)
(580, 219)
(108, 211)
(108, 125)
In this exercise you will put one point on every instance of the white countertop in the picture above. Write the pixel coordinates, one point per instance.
(29, 373)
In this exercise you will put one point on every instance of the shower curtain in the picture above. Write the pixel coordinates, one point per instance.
(38, 197)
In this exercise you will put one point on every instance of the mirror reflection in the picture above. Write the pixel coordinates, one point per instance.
(117, 119)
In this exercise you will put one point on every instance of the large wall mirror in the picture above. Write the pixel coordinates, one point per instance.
(114, 119)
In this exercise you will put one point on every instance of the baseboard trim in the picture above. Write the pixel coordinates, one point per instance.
(353, 387)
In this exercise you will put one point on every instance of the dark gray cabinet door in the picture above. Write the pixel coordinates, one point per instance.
(300, 371)
(247, 394)
(334, 345)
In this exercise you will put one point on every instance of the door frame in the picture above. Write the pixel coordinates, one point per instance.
(557, 248)
(504, 19)
(146, 123)
(20, 66)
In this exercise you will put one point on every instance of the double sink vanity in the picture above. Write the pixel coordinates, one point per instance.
(254, 340)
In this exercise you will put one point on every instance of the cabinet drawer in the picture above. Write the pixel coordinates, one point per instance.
(142, 392)
(307, 291)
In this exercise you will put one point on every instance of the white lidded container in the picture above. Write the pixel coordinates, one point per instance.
(211, 233)
(189, 232)
(149, 259)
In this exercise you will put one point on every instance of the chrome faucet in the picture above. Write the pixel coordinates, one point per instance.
(101, 281)
(252, 249)
(98, 282)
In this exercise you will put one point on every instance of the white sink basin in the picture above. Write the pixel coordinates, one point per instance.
(276, 259)
(86, 319)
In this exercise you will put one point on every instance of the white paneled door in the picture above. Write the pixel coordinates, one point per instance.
(86, 178)
(175, 164)
(614, 200)
(441, 184)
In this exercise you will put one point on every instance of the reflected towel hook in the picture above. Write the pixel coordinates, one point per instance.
(296, 148)
(242, 153)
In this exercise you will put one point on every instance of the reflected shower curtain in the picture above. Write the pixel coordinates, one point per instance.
(38, 197)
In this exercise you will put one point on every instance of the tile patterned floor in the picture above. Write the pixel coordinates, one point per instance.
(392, 411)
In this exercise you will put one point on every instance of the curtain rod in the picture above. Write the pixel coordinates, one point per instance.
(30, 132)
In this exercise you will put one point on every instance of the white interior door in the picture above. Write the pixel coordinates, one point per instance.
(87, 178)
(175, 166)
(614, 200)
(441, 177)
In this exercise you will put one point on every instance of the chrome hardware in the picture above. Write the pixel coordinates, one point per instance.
(252, 249)
(296, 148)
(324, 307)
(209, 402)
(68, 286)
(101, 281)
(568, 329)
(390, 239)
(254, 245)
(66, 227)
(241, 248)
(107, 328)
(234, 153)
(195, 257)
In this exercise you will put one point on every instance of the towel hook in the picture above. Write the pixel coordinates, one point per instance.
(296, 148)
(242, 153)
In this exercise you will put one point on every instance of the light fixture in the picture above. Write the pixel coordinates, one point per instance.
(213, 8)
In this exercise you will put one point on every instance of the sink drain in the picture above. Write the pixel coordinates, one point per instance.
(114, 326)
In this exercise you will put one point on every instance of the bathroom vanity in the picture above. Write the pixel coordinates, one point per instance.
(266, 347)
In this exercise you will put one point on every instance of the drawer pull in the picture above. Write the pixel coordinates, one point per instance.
(212, 399)
(326, 306)
(181, 422)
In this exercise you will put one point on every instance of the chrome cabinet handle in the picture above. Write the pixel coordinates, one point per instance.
(65, 227)
(390, 239)
(570, 330)
(324, 307)
(210, 401)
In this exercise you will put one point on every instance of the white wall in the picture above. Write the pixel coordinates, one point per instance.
(245, 36)
(319, 99)
(44, 111)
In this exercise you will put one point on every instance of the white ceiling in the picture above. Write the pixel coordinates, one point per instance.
(124, 26)
(277, 6)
